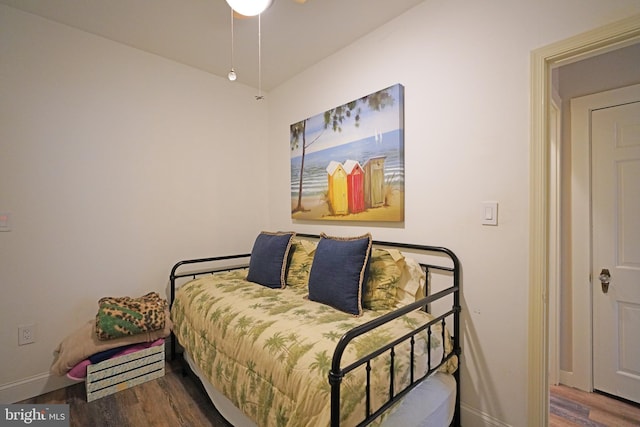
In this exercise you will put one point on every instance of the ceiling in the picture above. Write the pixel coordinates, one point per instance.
(198, 32)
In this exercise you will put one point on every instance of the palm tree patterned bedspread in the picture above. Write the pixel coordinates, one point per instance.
(269, 350)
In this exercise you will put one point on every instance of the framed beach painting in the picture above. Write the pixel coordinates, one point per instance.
(347, 163)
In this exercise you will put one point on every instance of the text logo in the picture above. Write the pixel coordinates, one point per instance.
(34, 415)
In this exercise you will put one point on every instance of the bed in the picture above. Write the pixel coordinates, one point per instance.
(286, 353)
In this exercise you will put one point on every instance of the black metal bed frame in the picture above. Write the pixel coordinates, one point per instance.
(338, 372)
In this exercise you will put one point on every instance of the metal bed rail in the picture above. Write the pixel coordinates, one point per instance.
(193, 274)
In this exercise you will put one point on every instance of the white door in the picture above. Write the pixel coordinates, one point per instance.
(615, 145)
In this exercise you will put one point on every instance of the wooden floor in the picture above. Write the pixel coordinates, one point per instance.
(170, 401)
(570, 407)
(175, 400)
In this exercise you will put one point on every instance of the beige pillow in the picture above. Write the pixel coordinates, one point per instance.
(385, 270)
(300, 260)
(411, 285)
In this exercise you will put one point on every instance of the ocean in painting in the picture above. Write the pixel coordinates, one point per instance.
(389, 144)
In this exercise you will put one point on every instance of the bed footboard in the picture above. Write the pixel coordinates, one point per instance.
(453, 315)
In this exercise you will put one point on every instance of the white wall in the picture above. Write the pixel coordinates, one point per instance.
(114, 165)
(465, 68)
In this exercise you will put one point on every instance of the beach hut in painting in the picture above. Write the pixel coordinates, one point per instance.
(337, 179)
(355, 186)
(374, 182)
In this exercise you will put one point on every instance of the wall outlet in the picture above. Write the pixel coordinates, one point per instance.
(26, 334)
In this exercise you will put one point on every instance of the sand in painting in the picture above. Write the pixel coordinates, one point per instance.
(316, 208)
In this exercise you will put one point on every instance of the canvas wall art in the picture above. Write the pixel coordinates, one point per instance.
(347, 163)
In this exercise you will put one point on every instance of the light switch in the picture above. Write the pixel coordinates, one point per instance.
(4, 221)
(489, 213)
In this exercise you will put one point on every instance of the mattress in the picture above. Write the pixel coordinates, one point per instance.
(269, 350)
(431, 403)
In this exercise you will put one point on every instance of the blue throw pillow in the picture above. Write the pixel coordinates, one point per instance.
(269, 256)
(338, 272)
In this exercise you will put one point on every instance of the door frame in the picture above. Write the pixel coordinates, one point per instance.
(555, 235)
(582, 46)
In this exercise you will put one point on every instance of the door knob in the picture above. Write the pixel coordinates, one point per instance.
(605, 279)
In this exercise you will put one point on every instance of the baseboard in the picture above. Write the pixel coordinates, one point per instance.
(33, 386)
(471, 417)
(566, 377)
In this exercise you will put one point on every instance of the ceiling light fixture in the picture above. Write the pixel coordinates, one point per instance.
(249, 7)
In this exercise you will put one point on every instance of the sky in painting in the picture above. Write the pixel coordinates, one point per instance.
(371, 123)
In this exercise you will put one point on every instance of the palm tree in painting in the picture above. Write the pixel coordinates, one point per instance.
(334, 120)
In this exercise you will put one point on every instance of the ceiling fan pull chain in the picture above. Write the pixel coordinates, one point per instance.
(259, 96)
(232, 74)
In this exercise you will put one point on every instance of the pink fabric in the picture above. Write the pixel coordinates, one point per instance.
(79, 371)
